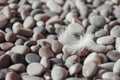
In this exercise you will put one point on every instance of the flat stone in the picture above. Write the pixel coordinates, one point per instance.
(35, 68)
(59, 73)
(32, 57)
(20, 49)
(89, 69)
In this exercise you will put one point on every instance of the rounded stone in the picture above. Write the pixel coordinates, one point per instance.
(45, 62)
(89, 69)
(32, 57)
(17, 58)
(29, 77)
(115, 31)
(6, 46)
(116, 67)
(59, 73)
(113, 55)
(72, 60)
(12, 76)
(10, 36)
(20, 49)
(35, 69)
(18, 67)
(29, 22)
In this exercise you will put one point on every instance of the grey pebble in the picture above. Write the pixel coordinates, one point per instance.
(35, 11)
(19, 42)
(59, 73)
(72, 60)
(97, 3)
(59, 56)
(107, 66)
(91, 29)
(116, 12)
(97, 20)
(72, 78)
(106, 40)
(75, 68)
(20, 49)
(17, 58)
(116, 67)
(36, 4)
(110, 76)
(115, 31)
(39, 29)
(47, 76)
(32, 57)
(12, 76)
(113, 55)
(65, 56)
(45, 51)
(117, 44)
(101, 33)
(89, 72)
(35, 68)
(29, 77)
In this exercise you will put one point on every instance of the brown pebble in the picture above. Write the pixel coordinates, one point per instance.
(10, 36)
(12, 76)
(6, 46)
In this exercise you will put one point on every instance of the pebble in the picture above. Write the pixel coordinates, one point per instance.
(73, 78)
(101, 33)
(30, 43)
(56, 46)
(19, 42)
(115, 31)
(53, 6)
(45, 51)
(107, 66)
(116, 67)
(113, 55)
(41, 17)
(12, 76)
(39, 29)
(59, 56)
(70, 16)
(103, 58)
(72, 60)
(40, 23)
(24, 13)
(116, 12)
(93, 57)
(37, 36)
(65, 56)
(32, 57)
(45, 62)
(36, 4)
(29, 22)
(117, 44)
(75, 68)
(106, 40)
(110, 76)
(50, 28)
(6, 46)
(96, 3)
(56, 61)
(20, 49)
(89, 72)
(5, 61)
(7, 12)
(97, 21)
(35, 11)
(47, 76)
(19, 67)
(59, 73)
(35, 48)
(17, 58)
(35, 69)
(3, 20)
(10, 36)
(29, 77)
(91, 29)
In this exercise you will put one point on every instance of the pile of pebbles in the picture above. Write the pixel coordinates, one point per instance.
(59, 40)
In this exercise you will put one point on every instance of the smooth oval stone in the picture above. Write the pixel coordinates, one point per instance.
(17, 58)
(91, 29)
(103, 58)
(5, 61)
(106, 40)
(101, 72)
(116, 12)
(56, 46)
(53, 6)
(30, 43)
(101, 33)
(10, 36)
(69, 16)
(18, 67)
(29, 22)
(6, 46)
(107, 66)
(36, 4)
(110, 76)
(56, 61)
(35, 68)
(116, 67)
(117, 44)
(12, 76)
(97, 20)
(96, 3)
(3, 20)
(45, 62)
(39, 29)
(46, 52)
(89, 69)
(72, 60)
(59, 73)
(20, 49)
(32, 57)
(115, 31)
(75, 68)
(93, 57)
(29, 77)
(113, 55)
(7, 12)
